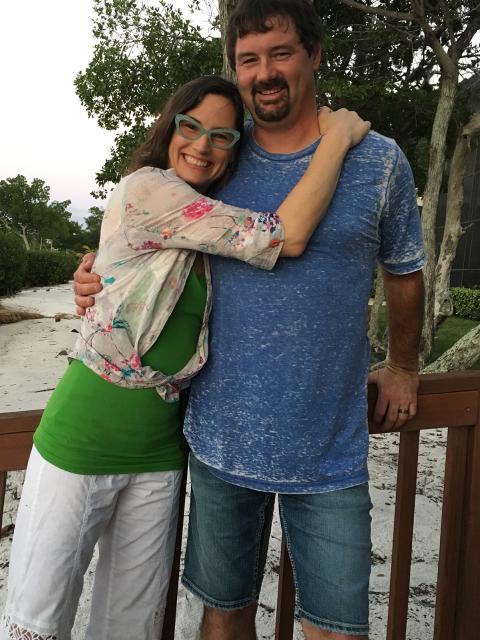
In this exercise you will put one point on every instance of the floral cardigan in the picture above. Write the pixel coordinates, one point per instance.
(152, 227)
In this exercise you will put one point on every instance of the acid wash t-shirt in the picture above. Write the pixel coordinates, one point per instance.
(281, 404)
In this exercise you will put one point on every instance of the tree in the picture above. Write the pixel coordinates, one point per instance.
(447, 30)
(93, 222)
(25, 209)
(369, 68)
(74, 238)
(225, 8)
(363, 68)
(23, 206)
(55, 224)
(453, 230)
(13, 263)
(142, 53)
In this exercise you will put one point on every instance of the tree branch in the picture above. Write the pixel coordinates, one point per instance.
(462, 355)
(470, 30)
(443, 58)
(423, 68)
(472, 128)
(452, 50)
(418, 16)
(378, 11)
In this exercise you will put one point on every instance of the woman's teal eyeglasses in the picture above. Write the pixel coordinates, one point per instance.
(192, 130)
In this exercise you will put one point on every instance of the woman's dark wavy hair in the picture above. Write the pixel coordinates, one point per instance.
(250, 16)
(154, 151)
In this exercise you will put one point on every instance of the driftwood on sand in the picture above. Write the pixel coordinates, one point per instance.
(8, 315)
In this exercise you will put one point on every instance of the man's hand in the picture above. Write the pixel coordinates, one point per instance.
(344, 124)
(397, 382)
(86, 285)
(397, 396)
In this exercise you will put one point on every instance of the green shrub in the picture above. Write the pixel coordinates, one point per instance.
(13, 263)
(466, 302)
(50, 267)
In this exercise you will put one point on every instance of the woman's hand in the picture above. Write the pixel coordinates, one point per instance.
(346, 125)
(87, 284)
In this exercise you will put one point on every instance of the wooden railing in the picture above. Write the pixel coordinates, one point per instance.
(450, 401)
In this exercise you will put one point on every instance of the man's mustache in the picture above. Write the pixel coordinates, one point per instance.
(275, 84)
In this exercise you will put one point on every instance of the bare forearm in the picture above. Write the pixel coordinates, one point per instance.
(405, 298)
(308, 202)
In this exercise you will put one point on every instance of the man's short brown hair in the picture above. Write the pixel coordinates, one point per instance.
(251, 16)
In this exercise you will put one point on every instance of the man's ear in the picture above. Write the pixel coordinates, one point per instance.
(316, 56)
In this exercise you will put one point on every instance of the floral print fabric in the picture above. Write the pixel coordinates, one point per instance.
(152, 227)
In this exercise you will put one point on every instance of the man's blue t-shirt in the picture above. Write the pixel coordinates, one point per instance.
(281, 403)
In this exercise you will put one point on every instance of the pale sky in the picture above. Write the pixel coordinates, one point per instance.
(44, 130)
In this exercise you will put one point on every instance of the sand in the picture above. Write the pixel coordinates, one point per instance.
(33, 357)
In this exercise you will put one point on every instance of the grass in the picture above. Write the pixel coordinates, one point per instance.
(448, 333)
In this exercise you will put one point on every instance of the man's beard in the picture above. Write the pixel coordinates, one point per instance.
(269, 113)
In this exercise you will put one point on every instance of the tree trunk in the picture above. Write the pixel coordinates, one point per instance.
(430, 200)
(225, 7)
(24, 237)
(453, 228)
(376, 342)
(462, 355)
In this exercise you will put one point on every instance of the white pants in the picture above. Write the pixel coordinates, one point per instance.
(61, 517)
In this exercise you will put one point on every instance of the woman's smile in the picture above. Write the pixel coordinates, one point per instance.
(196, 162)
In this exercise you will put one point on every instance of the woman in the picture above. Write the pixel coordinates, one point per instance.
(114, 476)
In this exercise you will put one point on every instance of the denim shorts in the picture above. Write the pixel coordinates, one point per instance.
(328, 540)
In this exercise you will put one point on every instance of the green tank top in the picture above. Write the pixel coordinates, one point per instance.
(93, 427)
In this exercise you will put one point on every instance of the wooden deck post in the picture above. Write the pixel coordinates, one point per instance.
(285, 598)
(403, 535)
(3, 487)
(468, 603)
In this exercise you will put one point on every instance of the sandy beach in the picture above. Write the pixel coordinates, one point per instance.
(32, 359)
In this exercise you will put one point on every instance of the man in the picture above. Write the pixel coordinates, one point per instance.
(280, 408)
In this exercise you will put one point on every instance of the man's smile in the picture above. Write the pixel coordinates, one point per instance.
(274, 88)
(269, 92)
